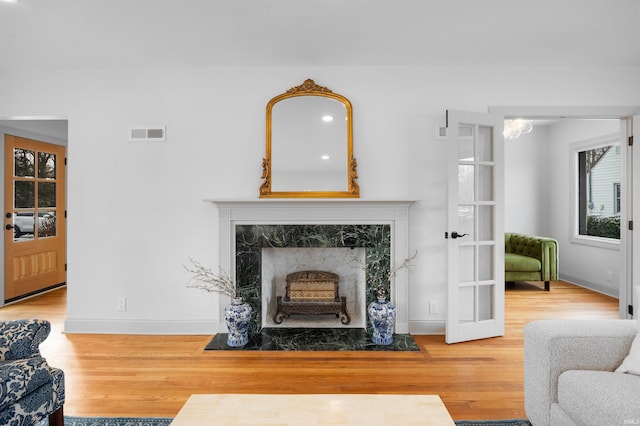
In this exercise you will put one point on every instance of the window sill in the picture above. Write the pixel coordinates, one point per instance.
(605, 243)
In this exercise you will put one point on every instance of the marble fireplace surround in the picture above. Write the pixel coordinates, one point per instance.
(245, 226)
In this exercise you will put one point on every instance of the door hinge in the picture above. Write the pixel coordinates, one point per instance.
(65, 161)
(631, 140)
(65, 214)
(65, 266)
(630, 309)
(630, 225)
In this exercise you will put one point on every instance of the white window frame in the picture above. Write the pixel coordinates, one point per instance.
(576, 238)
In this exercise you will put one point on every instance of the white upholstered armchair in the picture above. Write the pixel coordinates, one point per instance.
(569, 373)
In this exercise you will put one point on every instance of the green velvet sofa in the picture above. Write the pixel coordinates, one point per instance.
(530, 258)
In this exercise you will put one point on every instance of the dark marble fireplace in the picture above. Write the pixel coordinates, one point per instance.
(380, 228)
(247, 228)
(251, 239)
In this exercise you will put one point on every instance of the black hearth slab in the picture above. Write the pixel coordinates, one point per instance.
(314, 339)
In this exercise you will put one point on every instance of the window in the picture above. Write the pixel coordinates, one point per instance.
(599, 191)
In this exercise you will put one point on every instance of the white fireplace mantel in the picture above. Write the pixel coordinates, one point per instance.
(349, 211)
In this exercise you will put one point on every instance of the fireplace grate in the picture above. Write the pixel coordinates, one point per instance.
(312, 293)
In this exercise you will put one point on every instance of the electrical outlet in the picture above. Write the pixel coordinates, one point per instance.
(121, 304)
(609, 276)
(434, 307)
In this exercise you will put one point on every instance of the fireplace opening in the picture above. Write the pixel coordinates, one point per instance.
(345, 263)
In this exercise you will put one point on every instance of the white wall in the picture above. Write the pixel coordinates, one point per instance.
(136, 211)
(527, 182)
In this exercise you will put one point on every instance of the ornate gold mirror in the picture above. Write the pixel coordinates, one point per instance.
(309, 145)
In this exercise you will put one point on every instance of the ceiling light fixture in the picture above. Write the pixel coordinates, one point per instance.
(10, 1)
(327, 118)
(325, 157)
(513, 128)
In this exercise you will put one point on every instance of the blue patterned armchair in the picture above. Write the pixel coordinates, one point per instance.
(30, 390)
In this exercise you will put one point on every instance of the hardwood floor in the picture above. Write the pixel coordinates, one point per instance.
(133, 375)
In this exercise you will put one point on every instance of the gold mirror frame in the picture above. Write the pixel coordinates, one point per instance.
(310, 88)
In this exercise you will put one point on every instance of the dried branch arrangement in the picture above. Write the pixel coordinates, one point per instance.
(207, 280)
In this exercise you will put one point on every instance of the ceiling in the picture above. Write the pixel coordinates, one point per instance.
(37, 34)
(53, 128)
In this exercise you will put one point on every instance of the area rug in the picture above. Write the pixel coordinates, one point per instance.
(314, 339)
(112, 421)
(513, 422)
(116, 421)
(153, 421)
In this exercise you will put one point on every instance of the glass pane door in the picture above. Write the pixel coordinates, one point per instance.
(476, 240)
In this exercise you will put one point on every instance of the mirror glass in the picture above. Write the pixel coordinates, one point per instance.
(309, 145)
(311, 149)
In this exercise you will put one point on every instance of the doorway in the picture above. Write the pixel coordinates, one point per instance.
(601, 264)
(35, 206)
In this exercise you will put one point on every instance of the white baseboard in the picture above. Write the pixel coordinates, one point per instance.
(427, 327)
(591, 285)
(81, 326)
(195, 327)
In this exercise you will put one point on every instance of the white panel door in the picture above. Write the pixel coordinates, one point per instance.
(475, 234)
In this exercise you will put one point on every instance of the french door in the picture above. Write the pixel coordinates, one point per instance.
(475, 234)
(34, 217)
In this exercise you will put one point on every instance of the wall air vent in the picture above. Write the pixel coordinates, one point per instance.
(147, 134)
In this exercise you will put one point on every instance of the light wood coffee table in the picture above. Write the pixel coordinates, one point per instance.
(310, 410)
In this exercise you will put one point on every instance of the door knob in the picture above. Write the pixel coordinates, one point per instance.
(455, 235)
(8, 227)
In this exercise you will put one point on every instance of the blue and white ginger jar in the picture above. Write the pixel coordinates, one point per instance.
(382, 315)
(237, 316)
